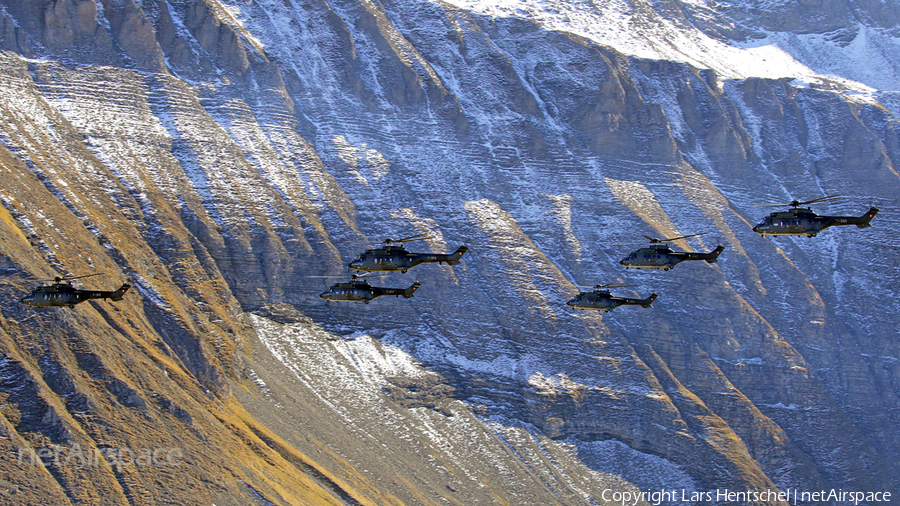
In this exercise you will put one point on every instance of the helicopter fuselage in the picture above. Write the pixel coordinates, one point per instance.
(663, 257)
(799, 221)
(361, 291)
(63, 294)
(602, 300)
(397, 258)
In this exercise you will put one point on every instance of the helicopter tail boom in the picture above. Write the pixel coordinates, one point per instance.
(450, 258)
(649, 300)
(454, 257)
(411, 290)
(863, 221)
(713, 256)
(118, 294)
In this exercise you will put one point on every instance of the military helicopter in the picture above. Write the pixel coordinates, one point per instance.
(796, 221)
(359, 290)
(601, 300)
(62, 293)
(396, 258)
(660, 256)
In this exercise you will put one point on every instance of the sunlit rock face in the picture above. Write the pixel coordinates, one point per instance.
(224, 156)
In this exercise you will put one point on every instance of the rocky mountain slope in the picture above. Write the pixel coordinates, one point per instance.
(221, 155)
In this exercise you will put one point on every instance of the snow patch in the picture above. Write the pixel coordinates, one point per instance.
(866, 64)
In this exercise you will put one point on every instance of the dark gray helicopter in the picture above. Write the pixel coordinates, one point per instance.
(396, 258)
(62, 293)
(601, 300)
(660, 256)
(796, 221)
(359, 290)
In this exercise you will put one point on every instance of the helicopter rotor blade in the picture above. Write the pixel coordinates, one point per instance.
(820, 199)
(654, 240)
(612, 285)
(70, 278)
(682, 237)
(797, 203)
(86, 276)
(354, 276)
(416, 237)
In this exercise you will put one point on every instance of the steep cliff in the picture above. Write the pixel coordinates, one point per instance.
(222, 155)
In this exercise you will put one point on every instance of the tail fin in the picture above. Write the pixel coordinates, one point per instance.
(713, 256)
(117, 295)
(649, 300)
(454, 258)
(411, 290)
(866, 218)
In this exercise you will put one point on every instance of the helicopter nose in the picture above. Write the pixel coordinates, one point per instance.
(571, 303)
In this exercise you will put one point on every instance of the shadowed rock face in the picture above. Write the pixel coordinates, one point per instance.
(219, 156)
